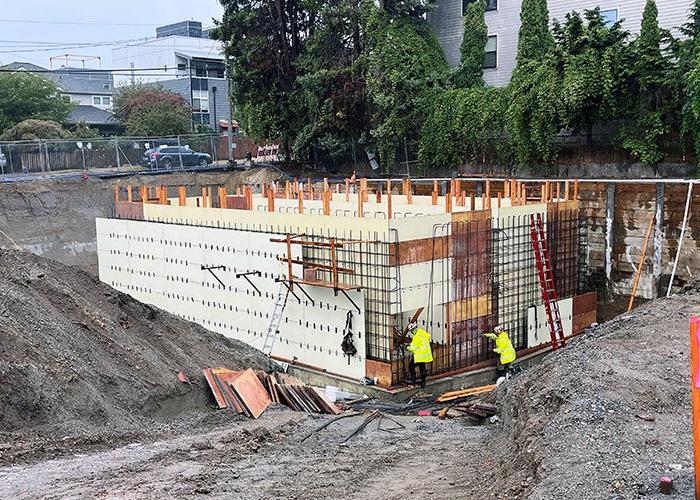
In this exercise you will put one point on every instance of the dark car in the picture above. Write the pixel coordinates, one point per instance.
(169, 156)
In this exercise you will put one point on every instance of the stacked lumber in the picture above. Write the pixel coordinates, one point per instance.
(295, 394)
(238, 390)
(465, 393)
(475, 411)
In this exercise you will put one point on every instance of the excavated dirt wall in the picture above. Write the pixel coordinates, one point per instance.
(56, 218)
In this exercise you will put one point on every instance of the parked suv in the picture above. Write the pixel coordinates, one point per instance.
(167, 156)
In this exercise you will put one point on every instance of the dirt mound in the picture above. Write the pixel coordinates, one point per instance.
(79, 360)
(606, 417)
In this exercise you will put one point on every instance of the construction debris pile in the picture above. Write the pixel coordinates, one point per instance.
(84, 365)
(607, 417)
(250, 394)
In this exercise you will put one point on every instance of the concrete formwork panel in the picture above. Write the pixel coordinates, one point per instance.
(161, 264)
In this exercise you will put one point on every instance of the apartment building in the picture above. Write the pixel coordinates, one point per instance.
(89, 90)
(503, 22)
(182, 58)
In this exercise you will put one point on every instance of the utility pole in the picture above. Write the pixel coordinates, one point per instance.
(231, 144)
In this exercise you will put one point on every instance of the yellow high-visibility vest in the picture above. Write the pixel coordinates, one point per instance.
(420, 347)
(504, 347)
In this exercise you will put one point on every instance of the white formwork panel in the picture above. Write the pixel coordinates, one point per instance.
(313, 333)
(161, 264)
(538, 327)
(416, 284)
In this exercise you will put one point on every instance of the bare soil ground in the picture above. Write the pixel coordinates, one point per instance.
(89, 409)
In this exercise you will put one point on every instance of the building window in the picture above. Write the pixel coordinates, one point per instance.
(96, 100)
(490, 5)
(610, 16)
(106, 101)
(491, 58)
(200, 101)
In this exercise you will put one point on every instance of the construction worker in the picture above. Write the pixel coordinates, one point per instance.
(422, 353)
(504, 347)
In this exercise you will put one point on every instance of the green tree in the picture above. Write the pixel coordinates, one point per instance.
(535, 107)
(264, 39)
(332, 81)
(26, 96)
(160, 119)
(471, 66)
(534, 38)
(83, 131)
(591, 58)
(405, 65)
(683, 78)
(152, 110)
(466, 126)
(30, 130)
(649, 117)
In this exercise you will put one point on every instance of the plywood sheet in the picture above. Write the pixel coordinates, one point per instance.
(468, 308)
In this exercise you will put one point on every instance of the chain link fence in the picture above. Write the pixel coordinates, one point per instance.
(120, 154)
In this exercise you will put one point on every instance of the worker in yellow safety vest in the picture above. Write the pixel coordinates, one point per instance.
(504, 347)
(422, 353)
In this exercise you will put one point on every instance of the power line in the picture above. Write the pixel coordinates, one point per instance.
(78, 23)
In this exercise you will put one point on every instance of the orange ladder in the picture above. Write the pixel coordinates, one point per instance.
(547, 284)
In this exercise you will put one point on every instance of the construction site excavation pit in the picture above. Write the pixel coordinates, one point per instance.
(325, 277)
(93, 405)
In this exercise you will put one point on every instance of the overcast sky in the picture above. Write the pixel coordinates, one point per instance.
(26, 26)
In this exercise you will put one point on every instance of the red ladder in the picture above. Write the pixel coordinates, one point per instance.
(549, 288)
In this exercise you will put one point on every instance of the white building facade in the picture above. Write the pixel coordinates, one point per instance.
(181, 59)
(503, 22)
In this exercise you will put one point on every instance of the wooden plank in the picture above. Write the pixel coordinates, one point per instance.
(218, 395)
(450, 396)
(251, 392)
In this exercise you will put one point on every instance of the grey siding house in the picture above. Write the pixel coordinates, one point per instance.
(503, 22)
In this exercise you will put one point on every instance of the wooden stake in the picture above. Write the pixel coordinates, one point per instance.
(270, 201)
(300, 195)
(448, 203)
(326, 202)
(389, 207)
(204, 197)
(641, 262)
(435, 198)
(361, 203)
(506, 189)
(116, 194)
(129, 194)
(558, 191)
(566, 191)
(181, 193)
(488, 192)
(499, 200)
(472, 203)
